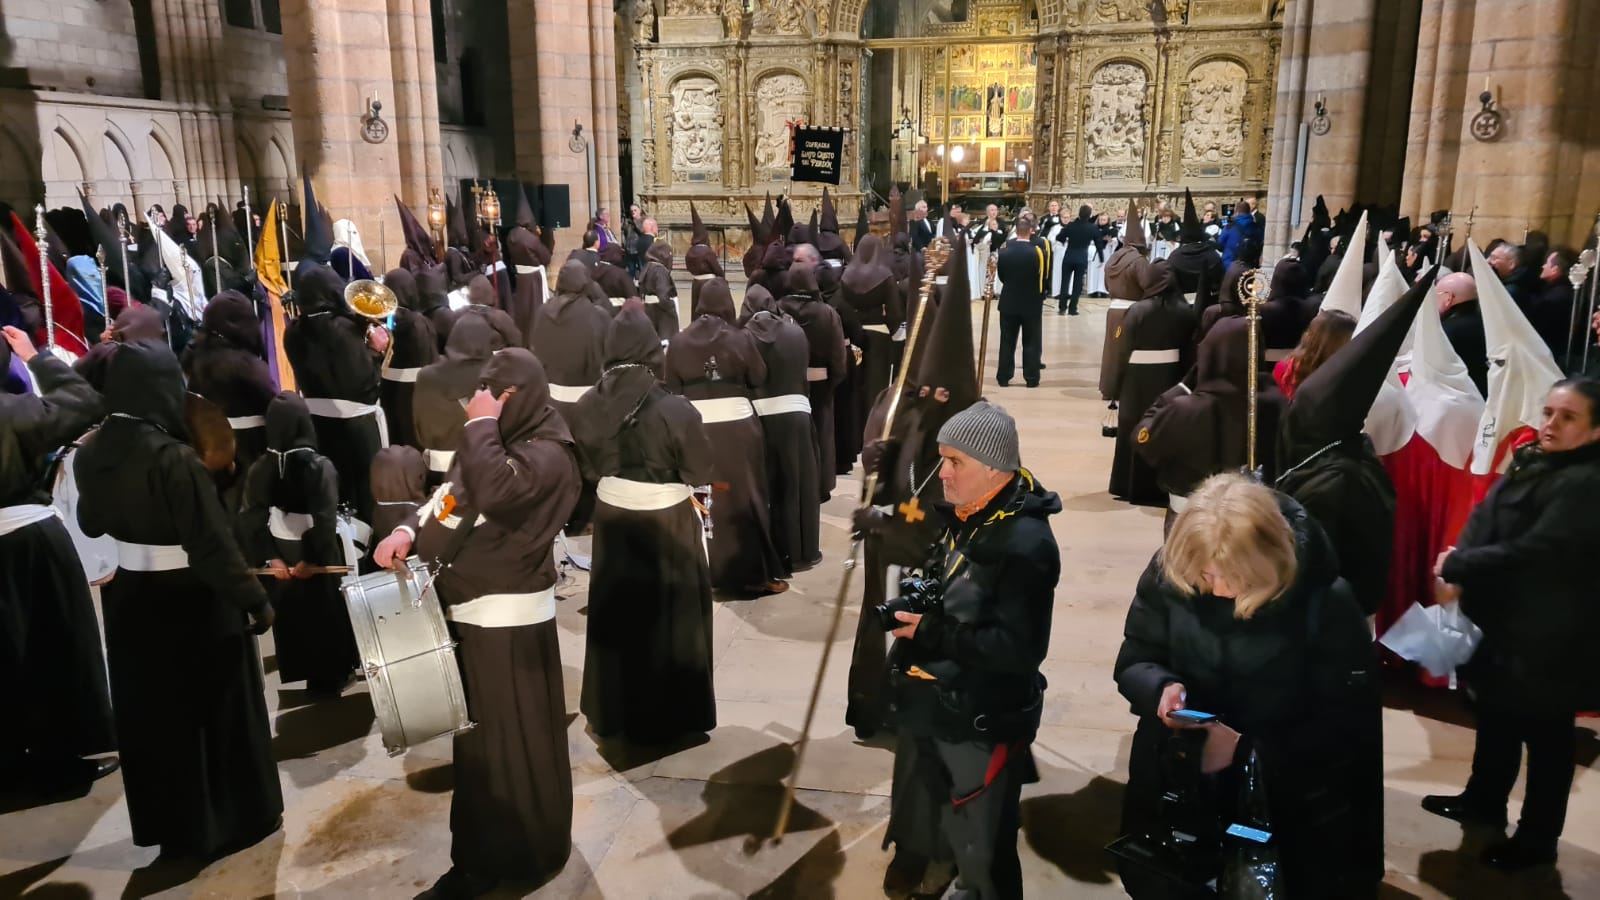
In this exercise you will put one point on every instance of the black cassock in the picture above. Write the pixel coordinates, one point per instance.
(512, 484)
(870, 288)
(783, 406)
(850, 398)
(529, 259)
(186, 682)
(718, 368)
(338, 376)
(290, 507)
(413, 345)
(569, 336)
(660, 298)
(443, 388)
(1154, 350)
(55, 703)
(647, 672)
(825, 370)
(616, 283)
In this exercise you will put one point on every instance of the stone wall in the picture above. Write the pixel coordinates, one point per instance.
(83, 46)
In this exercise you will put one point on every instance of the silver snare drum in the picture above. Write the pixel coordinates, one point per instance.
(408, 656)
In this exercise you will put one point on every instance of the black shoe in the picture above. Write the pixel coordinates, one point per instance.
(1003, 383)
(1061, 312)
(1033, 384)
(460, 884)
(1512, 855)
(1462, 809)
(1043, 366)
(904, 873)
(55, 774)
(1072, 312)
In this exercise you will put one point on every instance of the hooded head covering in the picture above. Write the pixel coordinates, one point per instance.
(524, 217)
(804, 234)
(701, 259)
(574, 279)
(716, 300)
(527, 414)
(1344, 294)
(1441, 390)
(1135, 229)
(290, 435)
(84, 276)
(758, 244)
(319, 290)
(1192, 231)
(404, 285)
(612, 254)
(399, 475)
(757, 299)
(455, 225)
(480, 292)
(785, 221)
(471, 339)
(145, 381)
(1332, 403)
(418, 240)
(139, 323)
(1521, 368)
(230, 317)
(1158, 280)
(633, 363)
(660, 252)
(433, 289)
(1289, 281)
(1386, 290)
(869, 269)
(946, 360)
(768, 217)
(105, 239)
(319, 227)
(826, 231)
(699, 237)
(863, 226)
(459, 267)
(801, 279)
(632, 340)
(523, 248)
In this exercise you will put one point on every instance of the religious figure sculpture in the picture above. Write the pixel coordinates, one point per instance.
(644, 21)
(1115, 122)
(692, 7)
(696, 130)
(1214, 112)
(1122, 10)
(781, 98)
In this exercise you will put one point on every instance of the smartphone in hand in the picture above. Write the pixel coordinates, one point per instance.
(1192, 716)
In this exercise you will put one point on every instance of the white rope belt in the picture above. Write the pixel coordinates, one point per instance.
(1177, 503)
(785, 403)
(1153, 357)
(881, 329)
(544, 280)
(288, 526)
(941, 279)
(568, 393)
(499, 266)
(244, 423)
(643, 496)
(1277, 355)
(816, 374)
(723, 409)
(706, 277)
(649, 300)
(406, 376)
(329, 408)
(1119, 304)
(834, 263)
(439, 460)
(505, 610)
(14, 518)
(151, 557)
(617, 301)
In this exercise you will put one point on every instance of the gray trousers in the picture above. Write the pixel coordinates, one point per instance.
(941, 810)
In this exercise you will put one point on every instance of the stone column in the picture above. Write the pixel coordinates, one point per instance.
(342, 60)
(414, 116)
(1327, 52)
(1443, 47)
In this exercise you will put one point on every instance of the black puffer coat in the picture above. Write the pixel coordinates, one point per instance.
(984, 641)
(1522, 563)
(1298, 682)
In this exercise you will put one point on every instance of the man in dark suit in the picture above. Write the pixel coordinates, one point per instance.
(1023, 274)
(1081, 236)
(921, 230)
(1463, 325)
(587, 254)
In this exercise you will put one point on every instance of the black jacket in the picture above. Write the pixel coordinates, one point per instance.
(984, 640)
(1081, 235)
(1350, 494)
(1521, 562)
(921, 234)
(1298, 681)
(1023, 269)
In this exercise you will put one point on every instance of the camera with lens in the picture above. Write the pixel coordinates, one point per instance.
(918, 594)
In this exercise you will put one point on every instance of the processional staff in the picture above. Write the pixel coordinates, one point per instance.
(934, 259)
(41, 233)
(1253, 287)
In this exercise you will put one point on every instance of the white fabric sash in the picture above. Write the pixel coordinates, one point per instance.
(1153, 357)
(16, 518)
(244, 423)
(439, 460)
(151, 557)
(406, 376)
(435, 506)
(499, 266)
(881, 329)
(349, 409)
(834, 263)
(544, 280)
(651, 299)
(706, 277)
(1119, 304)
(568, 393)
(785, 403)
(724, 409)
(644, 496)
(288, 526)
(505, 610)
(459, 299)
(941, 279)
(816, 374)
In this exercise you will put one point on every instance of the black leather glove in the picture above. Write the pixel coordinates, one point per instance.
(262, 618)
(866, 520)
(878, 456)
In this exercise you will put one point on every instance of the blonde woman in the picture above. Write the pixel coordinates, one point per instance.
(1242, 615)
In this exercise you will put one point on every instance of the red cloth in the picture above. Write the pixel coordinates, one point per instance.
(64, 304)
(1280, 374)
(1502, 457)
(1432, 502)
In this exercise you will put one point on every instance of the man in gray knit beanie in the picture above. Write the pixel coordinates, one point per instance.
(985, 432)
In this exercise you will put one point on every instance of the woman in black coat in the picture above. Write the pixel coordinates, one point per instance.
(1520, 569)
(1242, 615)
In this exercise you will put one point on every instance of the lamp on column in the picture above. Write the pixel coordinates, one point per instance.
(1488, 124)
(436, 220)
(1319, 122)
(489, 214)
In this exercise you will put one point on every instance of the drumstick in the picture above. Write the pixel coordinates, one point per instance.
(308, 570)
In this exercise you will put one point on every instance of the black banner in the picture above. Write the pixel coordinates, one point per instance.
(818, 155)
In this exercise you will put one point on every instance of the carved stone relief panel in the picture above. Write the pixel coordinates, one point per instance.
(696, 130)
(1213, 120)
(692, 7)
(1119, 10)
(808, 17)
(1114, 122)
(781, 98)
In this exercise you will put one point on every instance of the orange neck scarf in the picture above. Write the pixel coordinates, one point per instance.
(968, 510)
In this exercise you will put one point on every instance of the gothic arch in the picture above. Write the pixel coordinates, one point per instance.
(163, 158)
(25, 180)
(116, 179)
(119, 139)
(1243, 62)
(74, 142)
(276, 170)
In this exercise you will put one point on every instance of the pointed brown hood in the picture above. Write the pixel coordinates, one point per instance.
(524, 210)
(768, 217)
(700, 236)
(947, 360)
(863, 225)
(418, 240)
(1135, 228)
(1192, 231)
(455, 225)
